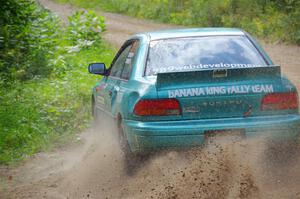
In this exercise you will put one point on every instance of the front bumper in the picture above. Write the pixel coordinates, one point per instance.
(145, 136)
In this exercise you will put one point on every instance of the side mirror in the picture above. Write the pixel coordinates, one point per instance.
(97, 68)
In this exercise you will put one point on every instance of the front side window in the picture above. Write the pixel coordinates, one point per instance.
(129, 61)
(117, 67)
(196, 53)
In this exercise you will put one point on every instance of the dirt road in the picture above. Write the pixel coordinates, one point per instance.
(94, 166)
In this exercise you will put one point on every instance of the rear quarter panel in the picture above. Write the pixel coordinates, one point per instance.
(137, 87)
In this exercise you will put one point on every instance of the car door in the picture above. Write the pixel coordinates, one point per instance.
(125, 86)
(115, 77)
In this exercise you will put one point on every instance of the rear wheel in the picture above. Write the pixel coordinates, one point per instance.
(123, 140)
(132, 160)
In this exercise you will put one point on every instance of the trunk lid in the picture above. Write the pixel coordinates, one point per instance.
(220, 93)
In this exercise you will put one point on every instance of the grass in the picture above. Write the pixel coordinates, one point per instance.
(39, 114)
(43, 112)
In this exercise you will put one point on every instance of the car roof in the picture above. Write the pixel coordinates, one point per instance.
(192, 32)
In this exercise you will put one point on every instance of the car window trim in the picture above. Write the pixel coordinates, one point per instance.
(256, 47)
(118, 78)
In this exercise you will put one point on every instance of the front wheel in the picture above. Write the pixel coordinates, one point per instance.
(95, 113)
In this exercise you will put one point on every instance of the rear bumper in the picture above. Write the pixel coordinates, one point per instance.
(143, 136)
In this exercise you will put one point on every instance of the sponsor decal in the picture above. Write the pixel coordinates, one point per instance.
(130, 55)
(192, 67)
(128, 61)
(100, 87)
(221, 90)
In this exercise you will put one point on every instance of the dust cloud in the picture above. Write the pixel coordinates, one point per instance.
(251, 168)
(225, 167)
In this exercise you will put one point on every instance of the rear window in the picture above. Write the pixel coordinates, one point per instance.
(196, 53)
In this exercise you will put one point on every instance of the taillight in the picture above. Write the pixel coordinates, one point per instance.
(280, 101)
(157, 107)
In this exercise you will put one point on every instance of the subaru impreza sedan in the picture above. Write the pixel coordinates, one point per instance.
(175, 88)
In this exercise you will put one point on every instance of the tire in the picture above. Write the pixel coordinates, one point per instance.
(133, 161)
(123, 141)
(95, 113)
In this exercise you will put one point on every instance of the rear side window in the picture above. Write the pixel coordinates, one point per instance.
(129, 61)
(196, 53)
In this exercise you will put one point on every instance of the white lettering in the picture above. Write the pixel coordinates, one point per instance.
(221, 90)
(171, 94)
(269, 89)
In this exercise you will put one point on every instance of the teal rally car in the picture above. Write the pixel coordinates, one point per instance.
(173, 88)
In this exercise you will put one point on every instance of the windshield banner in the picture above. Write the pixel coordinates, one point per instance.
(192, 67)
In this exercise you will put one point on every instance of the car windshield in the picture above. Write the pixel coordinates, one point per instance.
(196, 53)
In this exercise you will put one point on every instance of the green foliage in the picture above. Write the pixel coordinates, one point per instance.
(84, 28)
(274, 20)
(45, 88)
(37, 113)
(28, 35)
